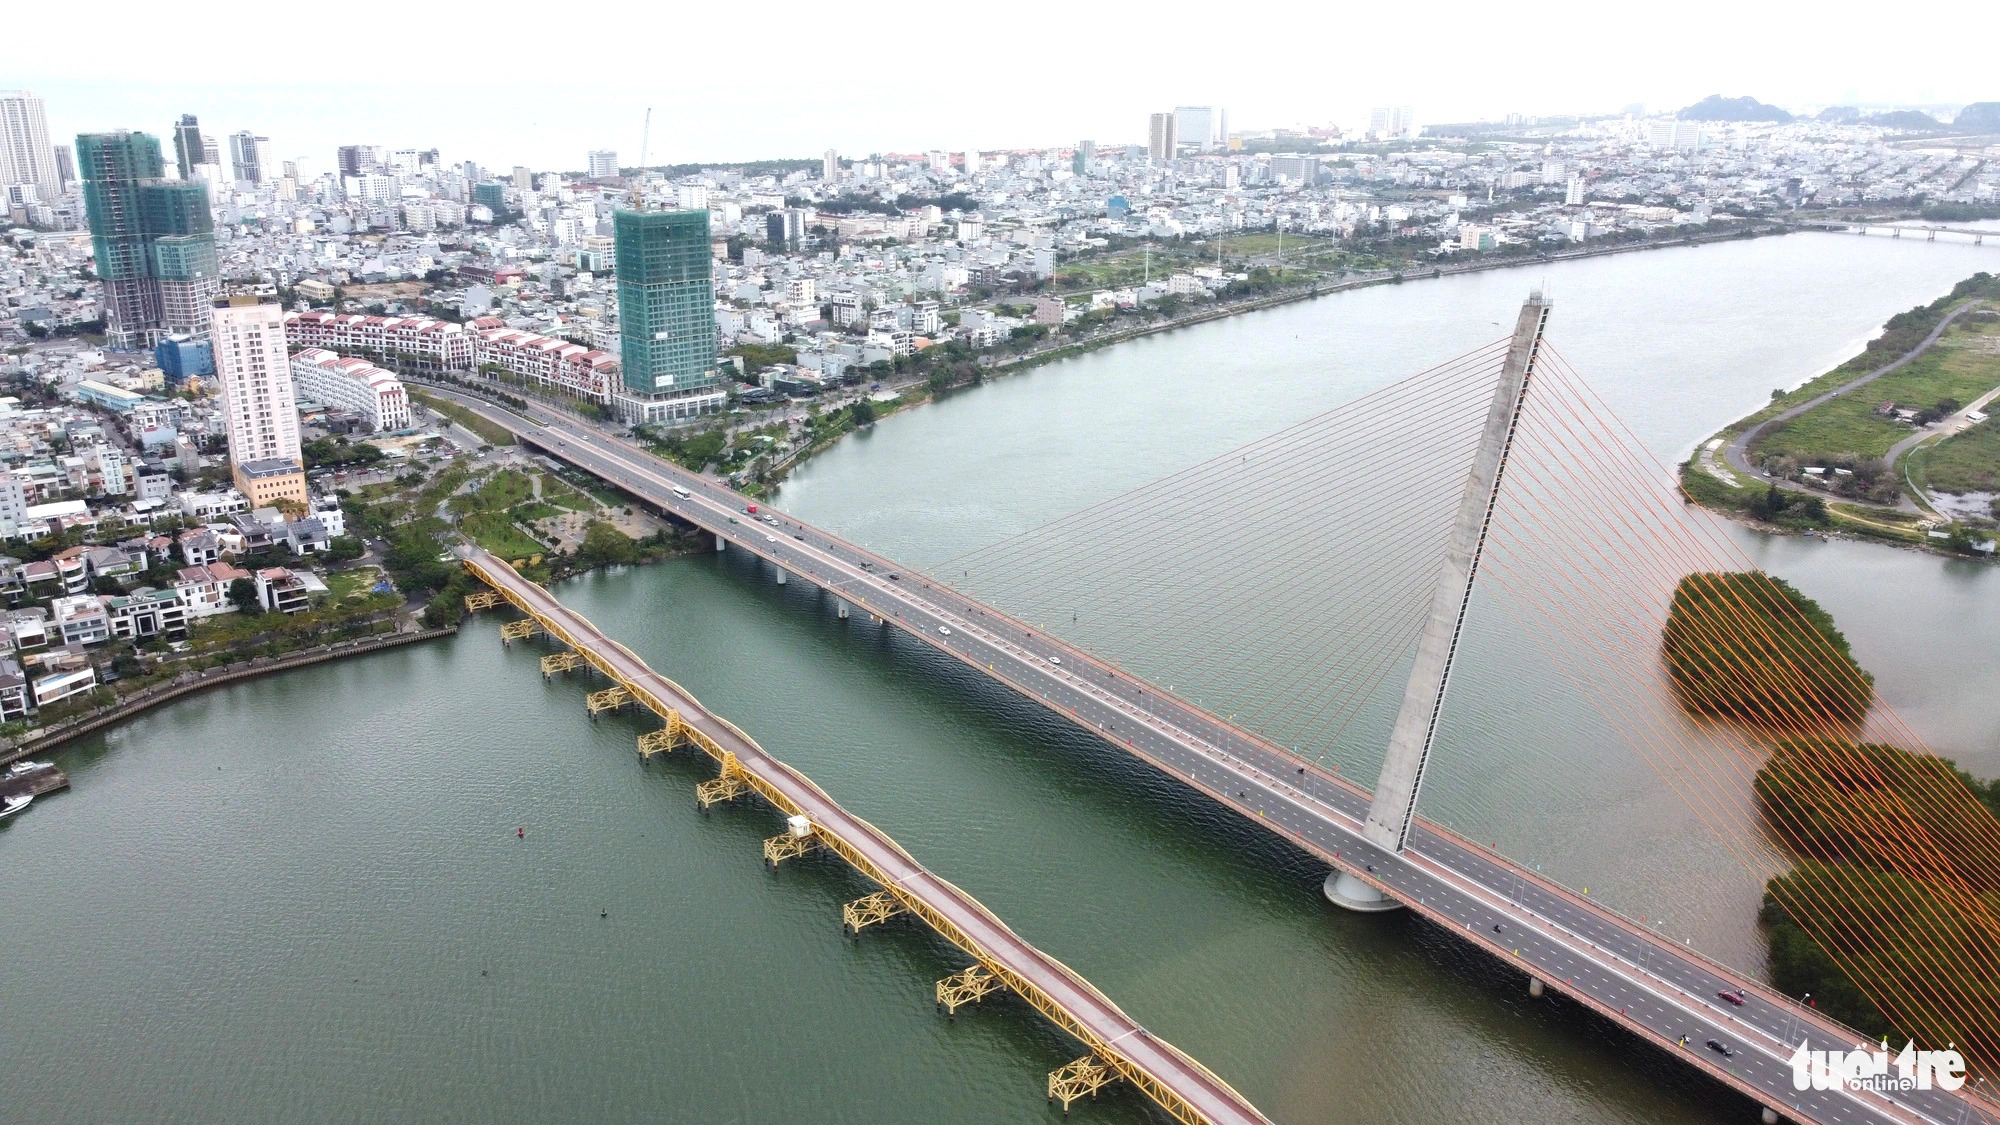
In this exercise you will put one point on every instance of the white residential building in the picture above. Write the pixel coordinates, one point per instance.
(251, 364)
(257, 404)
(549, 362)
(437, 345)
(352, 384)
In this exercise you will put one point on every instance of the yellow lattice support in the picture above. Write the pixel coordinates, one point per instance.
(966, 987)
(484, 599)
(778, 849)
(519, 630)
(1084, 1076)
(733, 782)
(610, 699)
(872, 910)
(562, 662)
(665, 739)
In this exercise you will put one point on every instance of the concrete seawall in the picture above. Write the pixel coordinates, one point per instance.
(192, 682)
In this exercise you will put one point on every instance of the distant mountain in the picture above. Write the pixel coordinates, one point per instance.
(1983, 117)
(1839, 115)
(1715, 107)
(1903, 119)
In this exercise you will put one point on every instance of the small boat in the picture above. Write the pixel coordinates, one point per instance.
(11, 805)
(19, 768)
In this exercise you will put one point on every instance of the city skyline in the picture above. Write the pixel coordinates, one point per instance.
(705, 113)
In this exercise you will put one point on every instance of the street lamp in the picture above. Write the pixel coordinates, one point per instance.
(1806, 999)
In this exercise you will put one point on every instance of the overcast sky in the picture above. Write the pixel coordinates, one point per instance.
(502, 83)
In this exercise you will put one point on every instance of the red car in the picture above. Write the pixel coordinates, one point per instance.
(750, 509)
(1733, 997)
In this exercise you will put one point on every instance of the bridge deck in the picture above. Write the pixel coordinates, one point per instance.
(1177, 1082)
(1652, 985)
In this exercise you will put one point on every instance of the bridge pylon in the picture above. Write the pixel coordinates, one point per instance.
(1395, 803)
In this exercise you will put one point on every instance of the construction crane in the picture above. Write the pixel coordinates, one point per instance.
(640, 177)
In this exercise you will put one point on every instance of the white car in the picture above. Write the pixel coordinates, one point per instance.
(945, 629)
(770, 539)
(1056, 660)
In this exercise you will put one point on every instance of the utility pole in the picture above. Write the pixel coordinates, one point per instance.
(1395, 803)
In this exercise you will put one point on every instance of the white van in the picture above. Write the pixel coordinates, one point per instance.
(683, 493)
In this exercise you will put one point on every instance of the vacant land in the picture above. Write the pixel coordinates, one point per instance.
(1965, 462)
(1963, 365)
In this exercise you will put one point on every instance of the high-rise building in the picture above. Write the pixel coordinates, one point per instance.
(250, 158)
(1084, 161)
(1197, 125)
(829, 166)
(784, 230)
(187, 145)
(1574, 197)
(524, 180)
(65, 166)
(603, 164)
(355, 160)
(258, 407)
(1162, 138)
(211, 152)
(25, 154)
(1389, 122)
(153, 239)
(666, 315)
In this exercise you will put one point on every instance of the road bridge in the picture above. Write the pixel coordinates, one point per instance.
(1923, 232)
(1119, 1046)
(1661, 991)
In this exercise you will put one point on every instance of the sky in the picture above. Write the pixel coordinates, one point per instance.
(506, 83)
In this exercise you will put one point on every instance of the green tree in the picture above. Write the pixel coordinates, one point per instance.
(605, 545)
(243, 595)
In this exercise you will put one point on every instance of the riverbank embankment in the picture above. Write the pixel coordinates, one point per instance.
(41, 739)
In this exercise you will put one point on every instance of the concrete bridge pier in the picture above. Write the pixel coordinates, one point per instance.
(1536, 987)
(1769, 1116)
(1348, 892)
(720, 543)
(781, 573)
(841, 608)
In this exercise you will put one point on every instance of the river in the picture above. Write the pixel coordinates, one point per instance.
(304, 898)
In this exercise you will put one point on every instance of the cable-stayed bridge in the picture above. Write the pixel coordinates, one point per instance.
(1470, 457)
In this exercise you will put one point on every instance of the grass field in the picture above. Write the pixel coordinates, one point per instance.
(1962, 366)
(1965, 462)
(496, 532)
(353, 584)
(562, 495)
(487, 431)
(505, 489)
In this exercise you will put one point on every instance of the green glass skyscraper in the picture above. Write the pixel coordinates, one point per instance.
(153, 239)
(666, 315)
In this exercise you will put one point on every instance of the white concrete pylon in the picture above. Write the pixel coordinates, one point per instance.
(1395, 803)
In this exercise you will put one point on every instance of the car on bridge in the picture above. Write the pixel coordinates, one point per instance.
(945, 630)
(1734, 996)
(1720, 1048)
